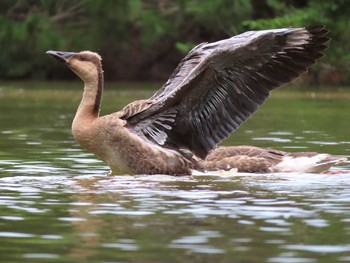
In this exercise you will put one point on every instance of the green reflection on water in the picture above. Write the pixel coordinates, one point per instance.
(38, 115)
(58, 205)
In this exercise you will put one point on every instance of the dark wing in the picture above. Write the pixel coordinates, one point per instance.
(217, 86)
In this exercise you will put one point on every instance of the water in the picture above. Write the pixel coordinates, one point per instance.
(57, 203)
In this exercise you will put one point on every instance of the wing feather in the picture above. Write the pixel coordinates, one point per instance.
(217, 86)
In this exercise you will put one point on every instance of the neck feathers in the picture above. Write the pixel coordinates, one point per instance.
(89, 107)
(98, 97)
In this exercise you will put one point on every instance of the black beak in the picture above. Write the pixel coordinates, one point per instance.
(60, 55)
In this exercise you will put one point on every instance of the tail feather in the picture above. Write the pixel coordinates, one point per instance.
(310, 164)
(328, 163)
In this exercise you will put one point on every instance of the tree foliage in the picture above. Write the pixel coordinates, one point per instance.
(145, 39)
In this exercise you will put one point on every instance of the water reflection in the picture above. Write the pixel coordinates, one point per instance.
(57, 203)
(124, 207)
(226, 214)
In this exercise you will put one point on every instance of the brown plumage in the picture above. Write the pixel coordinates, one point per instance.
(215, 88)
(259, 160)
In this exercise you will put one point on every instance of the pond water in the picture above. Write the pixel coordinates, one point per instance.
(57, 203)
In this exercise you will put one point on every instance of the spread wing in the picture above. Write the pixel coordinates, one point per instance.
(217, 86)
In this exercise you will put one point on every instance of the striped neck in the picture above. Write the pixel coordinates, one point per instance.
(89, 108)
(98, 95)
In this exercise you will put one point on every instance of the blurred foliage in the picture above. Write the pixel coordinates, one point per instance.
(145, 39)
(333, 14)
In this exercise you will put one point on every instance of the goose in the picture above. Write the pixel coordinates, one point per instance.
(213, 90)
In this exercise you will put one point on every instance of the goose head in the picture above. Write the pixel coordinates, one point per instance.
(86, 64)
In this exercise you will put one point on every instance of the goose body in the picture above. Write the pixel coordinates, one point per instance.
(214, 89)
(265, 160)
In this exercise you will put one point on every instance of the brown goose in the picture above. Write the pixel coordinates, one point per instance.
(214, 89)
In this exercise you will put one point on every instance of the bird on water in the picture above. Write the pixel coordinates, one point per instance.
(213, 90)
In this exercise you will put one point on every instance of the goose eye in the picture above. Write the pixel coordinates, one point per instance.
(81, 58)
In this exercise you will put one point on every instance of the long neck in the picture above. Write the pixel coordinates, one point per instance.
(89, 107)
